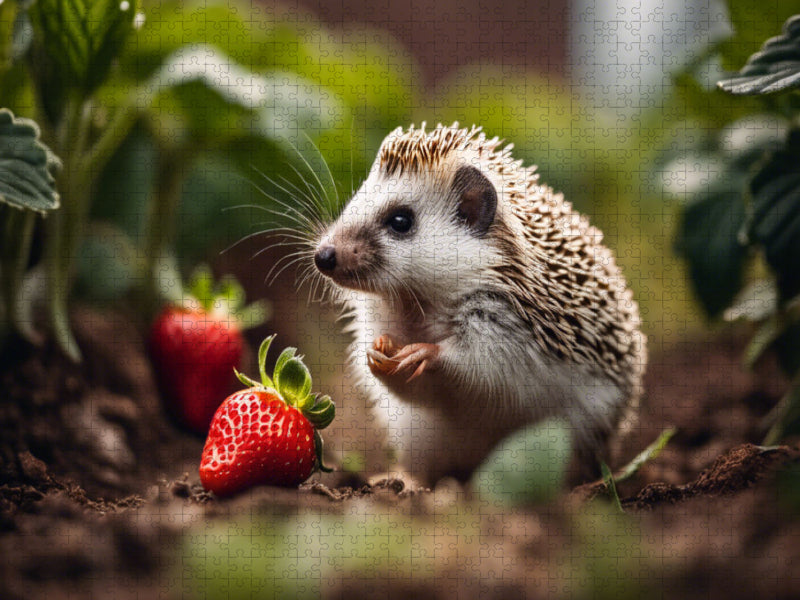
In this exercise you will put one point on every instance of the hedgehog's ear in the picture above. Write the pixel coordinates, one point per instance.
(477, 199)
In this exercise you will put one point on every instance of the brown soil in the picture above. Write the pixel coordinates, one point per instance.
(97, 486)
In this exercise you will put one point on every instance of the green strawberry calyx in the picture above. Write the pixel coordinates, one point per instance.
(224, 298)
(291, 380)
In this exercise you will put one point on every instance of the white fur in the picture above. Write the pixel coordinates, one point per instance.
(492, 380)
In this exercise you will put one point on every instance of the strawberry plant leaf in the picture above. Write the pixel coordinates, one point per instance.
(27, 166)
(708, 238)
(775, 223)
(774, 68)
(753, 22)
(205, 96)
(74, 45)
(293, 381)
(263, 349)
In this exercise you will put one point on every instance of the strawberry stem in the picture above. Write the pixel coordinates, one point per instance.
(318, 447)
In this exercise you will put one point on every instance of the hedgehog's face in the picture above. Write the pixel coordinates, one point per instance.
(418, 234)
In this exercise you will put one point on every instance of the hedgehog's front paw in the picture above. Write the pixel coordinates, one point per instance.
(379, 357)
(416, 359)
(385, 360)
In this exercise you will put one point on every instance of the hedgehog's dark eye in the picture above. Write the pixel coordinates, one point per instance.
(400, 221)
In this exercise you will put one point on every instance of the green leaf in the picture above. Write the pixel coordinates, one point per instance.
(27, 166)
(774, 68)
(712, 107)
(753, 22)
(527, 467)
(708, 238)
(775, 223)
(611, 488)
(75, 44)
(263, 349)
(293, 381)
(200, 95)
(246, 380)
(322, 413)
(283, 358)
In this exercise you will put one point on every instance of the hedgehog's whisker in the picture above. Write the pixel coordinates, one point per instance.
(302, 198)
(309, 202)
(319, 200)
(312, 205)
(327, 169)
(289, 259)
(301, 219)
(309, 219)
(323, 193)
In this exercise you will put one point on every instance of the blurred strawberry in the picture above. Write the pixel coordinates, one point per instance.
(267, 434)
(195, 345)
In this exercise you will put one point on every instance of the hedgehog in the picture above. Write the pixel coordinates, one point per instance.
(478, 301)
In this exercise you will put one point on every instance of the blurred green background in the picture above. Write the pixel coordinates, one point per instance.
(224, 90)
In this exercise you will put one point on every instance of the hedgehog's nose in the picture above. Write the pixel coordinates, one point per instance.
(325, 258)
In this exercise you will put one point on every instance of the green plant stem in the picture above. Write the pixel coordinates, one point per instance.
(161, 217)
(65, 228)
(16, 249)
(111, 138)
(83, 163)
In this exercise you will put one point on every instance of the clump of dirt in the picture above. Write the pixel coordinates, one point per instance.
(732, 472)
(97, 486)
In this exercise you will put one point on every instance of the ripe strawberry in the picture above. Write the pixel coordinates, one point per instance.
(267, 434)
(195, 346)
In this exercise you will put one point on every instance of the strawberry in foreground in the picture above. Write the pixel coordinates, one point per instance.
(267, 434)
(196, 343)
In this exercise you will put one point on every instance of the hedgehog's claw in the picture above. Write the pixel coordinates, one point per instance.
(415, 355)
(379, 363)
(386, 345)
